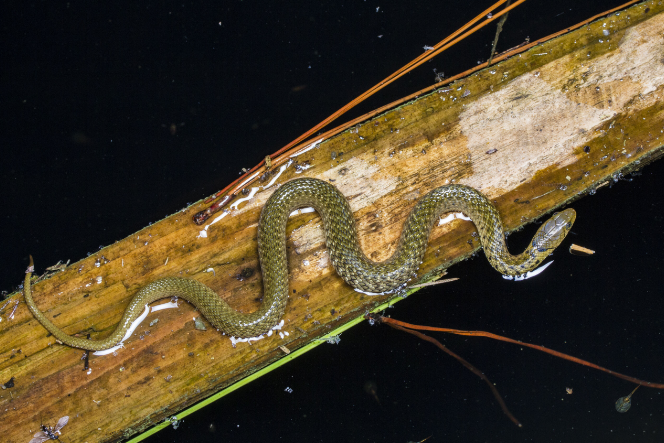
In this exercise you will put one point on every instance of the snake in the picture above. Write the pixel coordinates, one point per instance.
(345, 253)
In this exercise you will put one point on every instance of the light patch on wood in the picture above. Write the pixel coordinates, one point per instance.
(506, 121)
(323, 260)
(319, 266)
(366, 187)
(413, 195)
(308, 237)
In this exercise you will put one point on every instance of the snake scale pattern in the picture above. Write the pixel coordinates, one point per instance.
(345, 253)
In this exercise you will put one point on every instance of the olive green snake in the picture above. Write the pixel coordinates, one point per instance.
(345, 253)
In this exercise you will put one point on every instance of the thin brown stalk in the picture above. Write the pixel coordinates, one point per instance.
(470, 367)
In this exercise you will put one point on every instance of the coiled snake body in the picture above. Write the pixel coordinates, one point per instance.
(347, 258)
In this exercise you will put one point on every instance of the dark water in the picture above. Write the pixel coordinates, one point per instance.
(89, 97)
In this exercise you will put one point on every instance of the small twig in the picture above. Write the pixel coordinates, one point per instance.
(499, 28)
(433, 283)
(580, 250)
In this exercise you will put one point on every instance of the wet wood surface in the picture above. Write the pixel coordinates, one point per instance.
(533, 133)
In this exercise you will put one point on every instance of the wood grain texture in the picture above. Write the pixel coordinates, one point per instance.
(533, 133)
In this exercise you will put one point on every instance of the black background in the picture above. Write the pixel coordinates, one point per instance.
(88, 96)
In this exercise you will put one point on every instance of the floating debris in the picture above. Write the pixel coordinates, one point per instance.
(174, 421)
(624, 403)
(440, 76)
(332, 339)
(371, 388)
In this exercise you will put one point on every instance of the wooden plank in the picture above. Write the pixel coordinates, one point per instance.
(606, 97)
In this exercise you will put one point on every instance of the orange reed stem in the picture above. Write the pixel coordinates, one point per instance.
(407, 326)
(472, 368)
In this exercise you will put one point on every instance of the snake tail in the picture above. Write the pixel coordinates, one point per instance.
(345, 254)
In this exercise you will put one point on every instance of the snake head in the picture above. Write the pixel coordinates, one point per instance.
(554, 230)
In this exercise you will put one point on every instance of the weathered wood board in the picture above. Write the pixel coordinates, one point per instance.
(534, 133)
